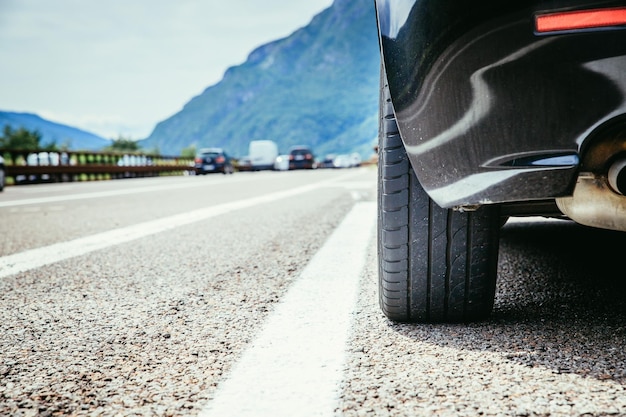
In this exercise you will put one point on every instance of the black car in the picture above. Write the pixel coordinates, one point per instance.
(301, 157)
(491, 109)
(213, 160)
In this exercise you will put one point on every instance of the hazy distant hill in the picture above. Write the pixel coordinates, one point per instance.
(318, 87)
(51, 132)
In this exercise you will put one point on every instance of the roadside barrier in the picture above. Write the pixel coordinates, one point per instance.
(28, 167)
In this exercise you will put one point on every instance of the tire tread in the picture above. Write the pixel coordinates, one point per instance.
(435, 264)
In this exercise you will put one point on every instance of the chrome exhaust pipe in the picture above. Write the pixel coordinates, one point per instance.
(595, 203)
(617, 176)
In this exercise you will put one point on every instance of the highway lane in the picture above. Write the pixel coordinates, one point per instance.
(149, 325)
(30, 259)
(42, 214)
(163, 323)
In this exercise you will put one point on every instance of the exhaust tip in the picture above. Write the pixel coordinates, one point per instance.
(617, 176)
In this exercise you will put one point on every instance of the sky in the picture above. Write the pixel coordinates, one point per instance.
(118, 67)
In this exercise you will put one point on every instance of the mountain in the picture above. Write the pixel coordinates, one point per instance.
(51, 132)
(317, 87)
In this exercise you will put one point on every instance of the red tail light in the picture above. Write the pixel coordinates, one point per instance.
(309, 156)
(291, 157)
(198, 160)
(220, 160)
(581, 19)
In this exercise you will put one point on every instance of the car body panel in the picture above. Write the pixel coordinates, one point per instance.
(489, 110)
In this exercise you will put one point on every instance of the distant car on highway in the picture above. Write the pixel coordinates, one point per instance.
(2, 173)
(342, 161)
(263, 154)
(281, 163)
(327, 162)
(213, 160)
(244, 164)
(355, 159)
(301, 157)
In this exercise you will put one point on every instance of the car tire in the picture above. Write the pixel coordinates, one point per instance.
(435, 264)
(2, 178)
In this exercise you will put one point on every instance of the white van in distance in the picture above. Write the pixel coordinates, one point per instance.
(262, 154)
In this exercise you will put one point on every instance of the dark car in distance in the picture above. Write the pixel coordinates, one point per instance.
(210, 160)
(301, 157)
(491, 109)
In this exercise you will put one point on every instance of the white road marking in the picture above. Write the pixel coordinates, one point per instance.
(35, 258)
(150, 188)
(294, 367)
(113, 193)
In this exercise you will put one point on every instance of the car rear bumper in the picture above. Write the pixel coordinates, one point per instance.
(300, 165)
(209, 168)
(490, 111)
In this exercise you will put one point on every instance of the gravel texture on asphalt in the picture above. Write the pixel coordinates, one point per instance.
(555, 345)
(152, 326)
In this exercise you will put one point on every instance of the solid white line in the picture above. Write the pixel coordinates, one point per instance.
(35, 258)
(294, 367)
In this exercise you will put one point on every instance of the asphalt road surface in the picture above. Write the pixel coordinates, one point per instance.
(255, 294)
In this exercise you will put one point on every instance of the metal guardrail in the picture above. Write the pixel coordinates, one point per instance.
(24, 167)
